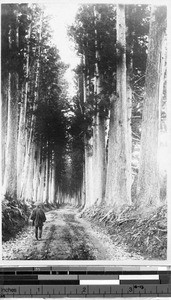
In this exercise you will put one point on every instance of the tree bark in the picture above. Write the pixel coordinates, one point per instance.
(36, 179)
(28, 154)
(148, 189)
(27, 192)
(99, 159)
(10, 178)
(53, 185)
(89, 187)
(47, 179)
(98, 132)
(118, 188)
(88, 167)
(4, 124)
(10, 182)
(21, 147)
(41, 185)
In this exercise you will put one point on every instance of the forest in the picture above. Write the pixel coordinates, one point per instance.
(99, 157)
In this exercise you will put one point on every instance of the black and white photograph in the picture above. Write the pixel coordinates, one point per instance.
(84, 131)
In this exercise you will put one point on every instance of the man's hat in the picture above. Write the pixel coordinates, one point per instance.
(39, 204)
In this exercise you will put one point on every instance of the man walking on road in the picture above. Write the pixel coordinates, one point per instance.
(38, 217)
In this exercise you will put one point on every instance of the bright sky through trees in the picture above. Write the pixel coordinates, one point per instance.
(62, 15)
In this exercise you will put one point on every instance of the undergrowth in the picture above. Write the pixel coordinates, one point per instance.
(145, 234)
(16, 215)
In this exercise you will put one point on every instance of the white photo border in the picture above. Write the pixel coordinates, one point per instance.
(167, 262)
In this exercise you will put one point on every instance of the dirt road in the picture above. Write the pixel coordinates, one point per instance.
(66, 236)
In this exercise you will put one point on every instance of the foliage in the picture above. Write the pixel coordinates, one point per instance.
(89, 28)
(28, 51)
(137, 22)
(15, 215)
(94, 34)
(50, 123)
(60, 127)
(50, 128)
(145, 234)
(14, 27)
(77, 128)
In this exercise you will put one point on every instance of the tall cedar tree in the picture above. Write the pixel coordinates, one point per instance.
(118, 186)
(148, 192)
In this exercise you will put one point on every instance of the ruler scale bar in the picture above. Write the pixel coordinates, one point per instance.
(140, 277)
(85, 290)
(58, 277)
(42, 282)
(154, 282)
(98, 277)
(69, 270)
(99, 282)
(84, 281)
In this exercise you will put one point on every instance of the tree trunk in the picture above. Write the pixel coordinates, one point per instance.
(148, 190)
(53, 185)
(99, 159)
(98, 133)
(36, 178)
(10, 183)
(89, 186)
(28, 154)
(129, 133)
(21, 144)
(100, 122)
(88, 167)
(21, 147)
(4, 124)
(83, 189)
(41, 185)
(50, 182)
(47, 180)
(27, 193)
(118, 189)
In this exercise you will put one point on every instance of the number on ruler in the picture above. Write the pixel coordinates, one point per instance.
(83, 290)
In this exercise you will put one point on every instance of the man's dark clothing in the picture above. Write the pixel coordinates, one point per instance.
(38, 217)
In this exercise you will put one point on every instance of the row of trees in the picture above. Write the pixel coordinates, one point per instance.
(33, 105)
(56, 148)
(123, 68)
